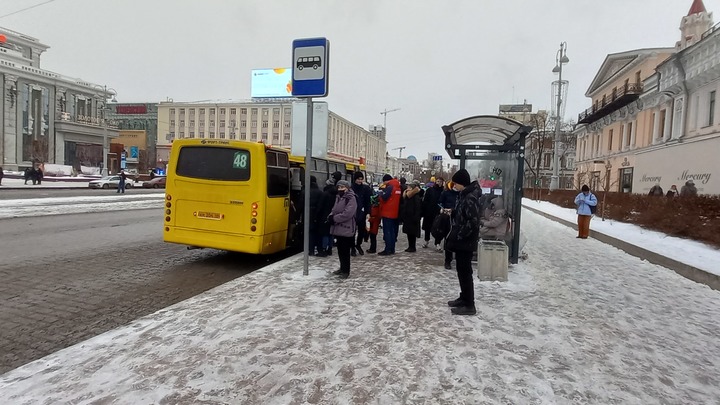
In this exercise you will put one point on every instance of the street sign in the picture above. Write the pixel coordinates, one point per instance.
(123, 160)
(134, 152)
(310, 67)
(437, 158)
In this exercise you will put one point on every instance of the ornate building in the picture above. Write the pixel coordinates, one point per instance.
(653, 115)
(46, 117)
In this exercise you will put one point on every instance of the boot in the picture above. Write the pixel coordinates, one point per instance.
(343, 276)
(353, 253)
(337, 272)
(360, 250)
(464, 310)
(456, 303)
(448, 266)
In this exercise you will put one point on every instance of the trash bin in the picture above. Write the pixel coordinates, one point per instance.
(492, 260)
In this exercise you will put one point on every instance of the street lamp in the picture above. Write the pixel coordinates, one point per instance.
(608, 166)
(561, 59)
(105, 92)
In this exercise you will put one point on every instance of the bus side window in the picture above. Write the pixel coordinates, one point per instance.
(278, 178)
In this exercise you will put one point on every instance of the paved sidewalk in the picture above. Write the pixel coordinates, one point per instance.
(578, 322)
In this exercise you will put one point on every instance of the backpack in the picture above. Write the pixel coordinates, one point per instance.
(593, 208)
(440, 226)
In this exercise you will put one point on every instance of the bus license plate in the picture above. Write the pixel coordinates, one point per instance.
(209, 215)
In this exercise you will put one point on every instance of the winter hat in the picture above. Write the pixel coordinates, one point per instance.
(690, 181)
(358, 175)
(343, 183)
(337, 176)
(461, 177)
(403, 180)
(387, 177)
(432, 179)
(585, 188)
(313, 180)
(415, 183)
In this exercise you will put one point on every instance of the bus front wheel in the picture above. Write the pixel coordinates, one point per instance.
(300, 67)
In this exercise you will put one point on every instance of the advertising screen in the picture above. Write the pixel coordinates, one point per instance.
(270, 83)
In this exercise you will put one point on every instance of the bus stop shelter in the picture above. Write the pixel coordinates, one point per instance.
(492, 150)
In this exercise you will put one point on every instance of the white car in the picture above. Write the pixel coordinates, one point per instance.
(110, 182)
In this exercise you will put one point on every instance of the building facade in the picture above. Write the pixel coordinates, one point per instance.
(137, 125)
(46, 117)
(660, 127)
(268, 121)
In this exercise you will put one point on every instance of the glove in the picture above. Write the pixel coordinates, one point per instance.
(330, 220)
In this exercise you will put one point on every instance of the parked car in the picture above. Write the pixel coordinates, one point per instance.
(157, 182)
(110, 182)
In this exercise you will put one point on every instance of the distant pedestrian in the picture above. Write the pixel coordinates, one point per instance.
(586, 203)
(673, 192)
(431, 207)
(689, 189)
(656, 191)
(362, 194)
(463, 240)
(121, 183)
(2, 174)
(344, 225)
(152, 174)
(389, 211)
(28, 174)
(37, 175)
(412, 214)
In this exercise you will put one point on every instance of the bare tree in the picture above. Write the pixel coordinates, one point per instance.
(606, 185)
(538, 144)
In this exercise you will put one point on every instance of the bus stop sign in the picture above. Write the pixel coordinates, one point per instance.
(310, 67)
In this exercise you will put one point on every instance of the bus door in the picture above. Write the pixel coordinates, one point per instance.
(278, 205)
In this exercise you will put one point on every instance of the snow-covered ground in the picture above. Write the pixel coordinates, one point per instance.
(578, 322)
(78, 205)
(686, 251)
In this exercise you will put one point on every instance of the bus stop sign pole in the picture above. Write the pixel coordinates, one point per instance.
(306, 205)
(309, 79)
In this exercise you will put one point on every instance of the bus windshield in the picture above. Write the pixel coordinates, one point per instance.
(214, 163)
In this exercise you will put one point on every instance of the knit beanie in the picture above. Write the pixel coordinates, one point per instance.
(358, 175)
(387, 177)
(461, 177)
(343, 183)
(337, 176)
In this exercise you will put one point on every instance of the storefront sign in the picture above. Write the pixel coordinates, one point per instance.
(131, 109)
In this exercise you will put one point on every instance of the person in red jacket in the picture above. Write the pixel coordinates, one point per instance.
(389, 209)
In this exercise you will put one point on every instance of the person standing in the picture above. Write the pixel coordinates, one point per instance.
(584, 201)
(343, 225)
(316, 200)
(121, 184)
(2, 174)
(412, 213)
(374, 223)
(673, 192)
(431, 208)
(656, 191)
(463, 240)
(362, 193)
(689, 189)
(389, 210)
(448, 199)
(326, 205)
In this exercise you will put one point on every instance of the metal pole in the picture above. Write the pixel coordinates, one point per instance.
(306, 205)
(105, 151)
(556, 159)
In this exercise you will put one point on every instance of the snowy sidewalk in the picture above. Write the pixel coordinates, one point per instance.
(578, 322)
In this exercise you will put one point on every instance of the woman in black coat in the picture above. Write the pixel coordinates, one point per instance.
(431, 208)
(411, 214)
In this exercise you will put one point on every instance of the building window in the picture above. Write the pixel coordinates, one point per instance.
(222, 135)
(212, 111)
(243, 137)
(202, 111)
(276, 124)
(202, 134)
(192, 112)
(286, 111)
(286, 136)
(233, 111)
(212, 123)
(610, 140)
(287, 124)
(222, 123)
(629, 134)
(276, 137)
(637, 77)
(172, 111)
(243, 111)
(172, 123)
(265, 112)
(254, 124)
(182, 111)
(182, 123)
(243, 123)
(264, 124)
(253, 111)
(192, 134)
(192, 123)
(276, 111)
(212, 134)
(202, 123)
(222, 111)
(254, 136)
(711, 114)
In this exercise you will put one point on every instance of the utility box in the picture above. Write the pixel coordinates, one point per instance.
(492, 260)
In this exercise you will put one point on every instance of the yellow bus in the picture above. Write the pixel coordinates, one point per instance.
(238, 195)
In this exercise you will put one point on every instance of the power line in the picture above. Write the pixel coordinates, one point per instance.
(25, 9)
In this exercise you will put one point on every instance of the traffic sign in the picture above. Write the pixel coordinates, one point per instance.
(437, 157)
(310, 67)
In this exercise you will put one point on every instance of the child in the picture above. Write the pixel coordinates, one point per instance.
(374, 222)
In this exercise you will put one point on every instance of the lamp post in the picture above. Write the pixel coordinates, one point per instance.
(608, 166)
(561, 59)
(104, 171)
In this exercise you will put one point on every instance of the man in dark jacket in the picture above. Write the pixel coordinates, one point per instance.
(316, 200)
(431, 207)
(412, 213)
(463, 240)
(362, 194)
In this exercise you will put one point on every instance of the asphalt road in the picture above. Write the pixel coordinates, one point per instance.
(11, 194)
(67, 278)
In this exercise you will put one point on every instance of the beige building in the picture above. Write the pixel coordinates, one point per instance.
(262, 121)
(653, 115)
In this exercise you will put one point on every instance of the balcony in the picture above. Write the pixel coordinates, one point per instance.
(620, 98)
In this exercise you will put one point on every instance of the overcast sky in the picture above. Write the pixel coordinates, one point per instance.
(438, 61)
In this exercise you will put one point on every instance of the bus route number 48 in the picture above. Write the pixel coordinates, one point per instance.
(240, 160)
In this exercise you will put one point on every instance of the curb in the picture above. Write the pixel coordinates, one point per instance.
(690, 272)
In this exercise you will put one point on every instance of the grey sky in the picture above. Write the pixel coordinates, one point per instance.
(439, 61)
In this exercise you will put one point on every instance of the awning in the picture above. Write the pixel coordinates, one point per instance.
(485, 132)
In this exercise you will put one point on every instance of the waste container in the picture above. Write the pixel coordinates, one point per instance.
(492, 260)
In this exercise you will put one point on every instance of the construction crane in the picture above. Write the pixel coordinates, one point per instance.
(400, 149)
(384, 114)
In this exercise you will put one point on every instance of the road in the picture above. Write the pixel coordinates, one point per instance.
(66, 278)
(12, 194)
